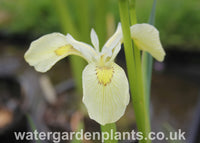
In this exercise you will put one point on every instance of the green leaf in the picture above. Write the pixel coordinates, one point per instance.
(147, 62)
(32, 126)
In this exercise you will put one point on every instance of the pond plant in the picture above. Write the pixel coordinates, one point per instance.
(105, 84)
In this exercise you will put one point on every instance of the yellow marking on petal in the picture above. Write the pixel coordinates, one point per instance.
(64, 49)
(104, 74)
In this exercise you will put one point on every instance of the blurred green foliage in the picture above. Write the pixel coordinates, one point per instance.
(177, 20)
(28, 16)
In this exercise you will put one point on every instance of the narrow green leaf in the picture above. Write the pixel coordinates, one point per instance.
(65, 18)
(83, 19)
(32, 126)
(100, 20)
(153, 14)
(147, 62)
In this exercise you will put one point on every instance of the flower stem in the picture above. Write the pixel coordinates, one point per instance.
(124, 16)
(111, 129)
(133, 61)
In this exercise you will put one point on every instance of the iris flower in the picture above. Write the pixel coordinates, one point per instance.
(105, 85)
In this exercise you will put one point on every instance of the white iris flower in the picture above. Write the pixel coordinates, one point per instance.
(105, 85)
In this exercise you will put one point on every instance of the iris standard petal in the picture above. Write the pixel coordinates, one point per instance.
(94, 39)
(146, 37)
(112, 42)
(105, 92)
(47, 50)
(117, 49)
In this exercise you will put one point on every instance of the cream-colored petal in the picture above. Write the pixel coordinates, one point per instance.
(111, 44)
(94, 39)
(87, 50)
(105, 92)
(116, 51)
(147, 38)
(47, 50)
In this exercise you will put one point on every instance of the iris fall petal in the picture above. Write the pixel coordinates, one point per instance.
(105, 92)
(147, 38)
